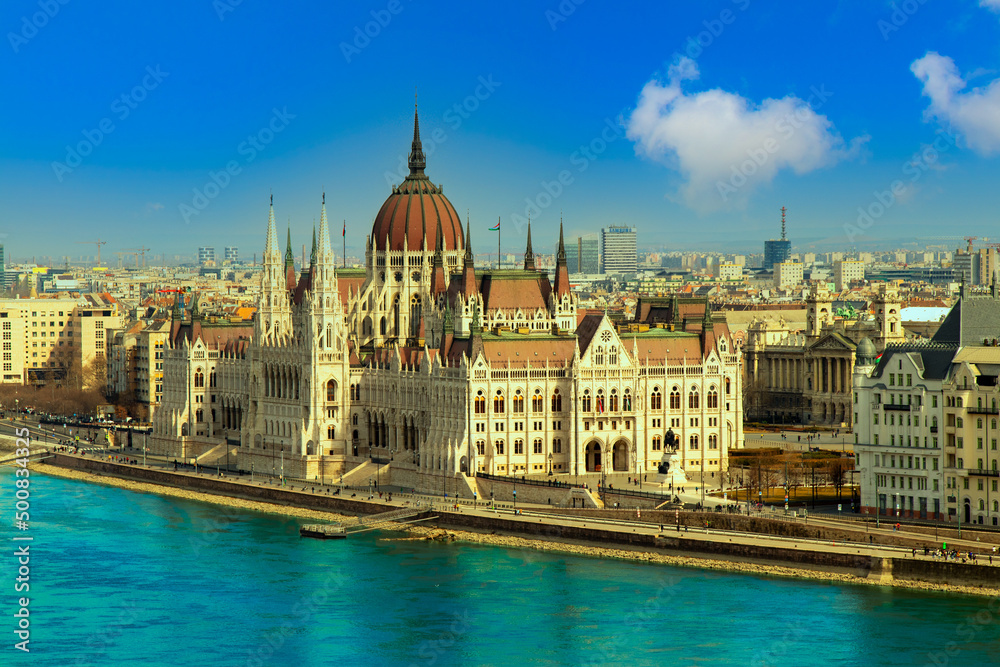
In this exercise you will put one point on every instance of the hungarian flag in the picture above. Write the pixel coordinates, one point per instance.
(879, 357)
(496, 227)
(344, 233)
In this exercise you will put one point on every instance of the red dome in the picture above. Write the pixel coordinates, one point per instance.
(414, 209)
(411, 214)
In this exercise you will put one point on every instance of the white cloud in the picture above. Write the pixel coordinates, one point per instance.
(152, 207)
(726, 146)
(975, 113)
(992, 5)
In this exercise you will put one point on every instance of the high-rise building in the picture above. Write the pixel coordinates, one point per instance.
(583, 254)
(846, 271)
(618, 250)
(777, 251)
(232, 254)
(206, 256)
(573, 256)
(787, 274)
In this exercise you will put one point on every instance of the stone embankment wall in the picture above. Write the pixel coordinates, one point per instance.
(219, 486)
(885, 570)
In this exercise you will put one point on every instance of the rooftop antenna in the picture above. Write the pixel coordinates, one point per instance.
(783, 223)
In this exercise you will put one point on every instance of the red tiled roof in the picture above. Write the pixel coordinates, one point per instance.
(519, 351)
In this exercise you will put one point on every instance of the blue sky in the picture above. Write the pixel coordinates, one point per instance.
(647, 112)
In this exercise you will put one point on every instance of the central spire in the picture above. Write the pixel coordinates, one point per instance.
(417, 159)
(529, 255)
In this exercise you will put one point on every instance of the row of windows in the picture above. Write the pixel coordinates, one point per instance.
(536, 446)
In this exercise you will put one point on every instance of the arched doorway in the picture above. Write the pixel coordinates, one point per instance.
(619, 456)
(593, 456)
(464, 465)
(968, 511)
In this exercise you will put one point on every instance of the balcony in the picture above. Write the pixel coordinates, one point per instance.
(896, 406)
(984, 411)
(979, 472)
(934, 429)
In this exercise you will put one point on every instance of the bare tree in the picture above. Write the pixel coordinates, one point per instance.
(837, 471)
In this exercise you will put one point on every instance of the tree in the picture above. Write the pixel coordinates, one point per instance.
(837, 471)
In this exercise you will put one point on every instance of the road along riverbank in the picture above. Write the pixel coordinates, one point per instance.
(787, 558)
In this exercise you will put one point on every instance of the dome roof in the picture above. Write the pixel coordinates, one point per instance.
(866, 352)
(413, 211)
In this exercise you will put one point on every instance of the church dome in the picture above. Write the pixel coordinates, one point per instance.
(412, 212)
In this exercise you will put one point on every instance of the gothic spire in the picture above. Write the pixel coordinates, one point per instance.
(561, 252)
(529, 256)
(562, 271)
(417, 159)
(271, 245)
(324, 232)
(289, 257)
(312, 253)
(468, 244)
(437, 266)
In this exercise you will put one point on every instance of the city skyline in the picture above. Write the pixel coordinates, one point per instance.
(184, 146)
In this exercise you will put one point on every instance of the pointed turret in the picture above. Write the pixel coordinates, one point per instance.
(469, 269)
(438, 284)
(529, 256)
(289, 257)
(312, 253)
(562, 271)
(271, 245)
(417, 160)
(324, 234)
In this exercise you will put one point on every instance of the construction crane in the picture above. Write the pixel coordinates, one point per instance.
(142, 251)
(969, 240)
(98, 243)
(136, 252)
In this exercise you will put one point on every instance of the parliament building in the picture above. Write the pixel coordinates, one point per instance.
(427, 369)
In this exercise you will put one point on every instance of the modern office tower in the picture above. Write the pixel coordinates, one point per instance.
(618, 250)
(777, 250)
(967, 266)
(573, 256)
(846, 271)
(206, 256)
(590, 253)
(232, 254)
(583, 254)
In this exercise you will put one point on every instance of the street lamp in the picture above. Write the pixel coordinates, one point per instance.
(550, 464)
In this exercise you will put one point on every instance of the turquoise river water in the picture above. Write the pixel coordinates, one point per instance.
(124, 578)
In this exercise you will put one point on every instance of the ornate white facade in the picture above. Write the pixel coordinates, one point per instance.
(422, 362)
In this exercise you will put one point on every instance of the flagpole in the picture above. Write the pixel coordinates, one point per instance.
(343, 235)
(498, 242)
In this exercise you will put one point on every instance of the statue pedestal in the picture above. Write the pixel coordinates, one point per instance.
(675, 475)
